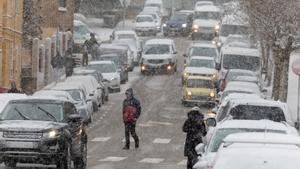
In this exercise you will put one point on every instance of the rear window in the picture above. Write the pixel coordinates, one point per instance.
(250, 112)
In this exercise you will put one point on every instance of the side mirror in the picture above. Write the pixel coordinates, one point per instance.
(200, 148)
(175, 52)
(218, 67)
(74, 118)
(91, 94)
(88, 100)
(264, 90)
(211, 122)
(185, 55)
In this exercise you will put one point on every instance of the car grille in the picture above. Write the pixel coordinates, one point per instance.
(195, 97)
(173, 25)
(156, 61)
(199, 74)
(207, 28)
(23, 135)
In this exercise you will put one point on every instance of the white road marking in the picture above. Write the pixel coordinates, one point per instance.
(152, 160)
(100, 139)
(113, 159)
(183, 162)
(162, 141)
(131, 139)
(146, 125)
(160, 123)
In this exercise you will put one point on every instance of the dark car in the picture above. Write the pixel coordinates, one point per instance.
(180, 23)
(42, 131)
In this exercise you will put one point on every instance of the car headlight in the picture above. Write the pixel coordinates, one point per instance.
(143, 67)
(164, 25)
(219, 44)
(213, 76)
(211, 94)
(189, 93)
(186, 74)
(195, 27)
(184, 25)
(214, 42)
(217, 27)
(51, 134)
(112, 79)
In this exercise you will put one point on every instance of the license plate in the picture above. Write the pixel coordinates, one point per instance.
(28, 145)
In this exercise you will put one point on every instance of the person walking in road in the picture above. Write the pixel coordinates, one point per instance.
(195, 128)
(69, 63)
(13, 88)
(131, 112)
(85, 53)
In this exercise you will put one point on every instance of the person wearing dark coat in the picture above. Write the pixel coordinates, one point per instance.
(13, 88)
(195, 129)
(69, 63)
(131, 112)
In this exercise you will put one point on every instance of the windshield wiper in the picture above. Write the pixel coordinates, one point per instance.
(21, 114)
(47, 113)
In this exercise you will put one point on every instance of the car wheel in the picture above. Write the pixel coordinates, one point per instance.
(123, 81)
(95, 107)
(81, 162)
(10, 163)
(65, 161)
(106, 98)
(118, 90)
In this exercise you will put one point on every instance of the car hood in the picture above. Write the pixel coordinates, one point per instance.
(200, 70)
(167, 56)
(205, 23)
(145, 24)
(109, 76)
(200, 91)
(175, 23)
(29, 125)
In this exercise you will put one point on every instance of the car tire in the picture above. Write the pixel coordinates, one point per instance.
(107, 98)
(65, 162)
(81, 162)
(95, 107)
(118, 90)
(123, 81)
(10, 163)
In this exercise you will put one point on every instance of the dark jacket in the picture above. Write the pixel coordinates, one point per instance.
(132, 101)
(14, 91)
(195, 128)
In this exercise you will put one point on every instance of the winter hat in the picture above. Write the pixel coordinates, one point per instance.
(129, 91)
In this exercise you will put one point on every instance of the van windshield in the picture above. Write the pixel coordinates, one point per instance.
(241, 62)
(199, 83)
(207, 15)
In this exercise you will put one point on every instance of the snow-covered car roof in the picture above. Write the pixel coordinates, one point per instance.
(242, 71)
(262, 138)
(207, 8)
(41, 98)
(153, 2)
(54, 93)
(126, 43)
(237, 84)
(204, 44)
(112, 46)
(253, 79)
(144, 15)
(6, 97)
(118, 32)
(67, 86)
(234, 96)
(84, 71)
(101, 62)
(159, 41)
(202, 58)
(229, 50)
(80, 17)
(81, 78)
(234, 19)
(258, 102)
(202, 3)
(255, 124)
(200, 71)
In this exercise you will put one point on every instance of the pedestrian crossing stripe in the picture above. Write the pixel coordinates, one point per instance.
(113, 159)
(161, 141)
(183, 162)
(131, 140)
(101, 139)
(152, 160)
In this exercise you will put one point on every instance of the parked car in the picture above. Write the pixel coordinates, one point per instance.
(119, 62)
(258, 150)
(207, 152)
(180, 23)
(6, 97)
(206, 22)
(200, 66)
(199, 90)
(81, 108)
(157, 18)
(43, 131)
(94, 89)
(133, 52)
(110, 73)
(159, 55)
(145, 25)
(98, 76)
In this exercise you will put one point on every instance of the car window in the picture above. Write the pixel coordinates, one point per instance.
(69, 109)
(103, 68)
(157, 49)
(144, 19)
(202, 51)
(39, 111)
(222, 113)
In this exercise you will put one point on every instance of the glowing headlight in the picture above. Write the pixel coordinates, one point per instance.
(186, 74)
(164, 25)
(211, 115)
(213, 42)
(184, 25)
(213, 76)
(169, 67)
(143, 67)
(51, 134)
(112, 79)
(211, 94)
(195, 26)
(219, 44)
(217, 27)
(189, 93)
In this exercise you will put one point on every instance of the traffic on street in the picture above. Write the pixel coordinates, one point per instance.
(141, 84)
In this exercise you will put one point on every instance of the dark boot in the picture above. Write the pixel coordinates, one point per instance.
(137, 145)
(126, 147)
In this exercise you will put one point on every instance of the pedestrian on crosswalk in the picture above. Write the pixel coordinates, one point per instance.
(131, 112)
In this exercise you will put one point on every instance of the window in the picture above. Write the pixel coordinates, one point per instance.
(62, 3)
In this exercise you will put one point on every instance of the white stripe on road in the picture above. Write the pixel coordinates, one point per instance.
(100, 139)
(162, 141)
(152, 160)
(160, 123)
(145, 125)
(131, 139)
(183, 162)
(113, 159)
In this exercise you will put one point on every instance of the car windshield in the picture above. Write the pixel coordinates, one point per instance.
(81, 30)
(201, 63)
(207, 15)
(75, 94)
(228, 92)
(251, 112)
(103, 68)
(116, 59)
(201, 51)
(220, 134)
(144, 19)
(241, 62)
(157, 49)
(234, 29)
(40, 111)
(179, 17)
(199, 83)
(126, 36)
(233, 75)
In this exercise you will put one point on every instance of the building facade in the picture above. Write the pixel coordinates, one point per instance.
(11, 19)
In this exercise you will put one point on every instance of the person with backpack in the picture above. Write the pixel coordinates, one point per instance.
(195, 129)
(131, 112)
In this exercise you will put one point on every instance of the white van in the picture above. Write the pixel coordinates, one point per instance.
(159, 4)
